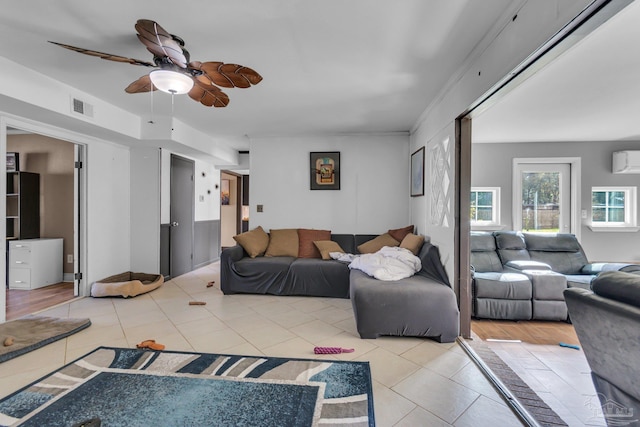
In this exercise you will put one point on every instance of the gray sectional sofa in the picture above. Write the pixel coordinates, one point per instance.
(522, 276)
(423, 305)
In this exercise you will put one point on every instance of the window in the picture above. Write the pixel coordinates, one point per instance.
(485, 207)
(613, 208)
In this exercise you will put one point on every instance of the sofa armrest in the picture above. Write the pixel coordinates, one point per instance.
(527, 264)
(232, 254)
(599, 267)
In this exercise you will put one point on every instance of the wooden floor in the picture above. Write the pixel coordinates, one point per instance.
(22, 302)
(530, 331)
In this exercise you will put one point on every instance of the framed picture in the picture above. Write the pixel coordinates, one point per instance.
(417, 173)
(325, 170)
(13, 162)
(225, 192)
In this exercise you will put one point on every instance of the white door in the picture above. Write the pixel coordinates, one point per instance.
(542, 197)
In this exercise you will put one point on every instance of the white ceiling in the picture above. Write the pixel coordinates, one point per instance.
(590, 93)
(330, 66)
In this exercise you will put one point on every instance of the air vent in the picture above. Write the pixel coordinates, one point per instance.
(81, 107)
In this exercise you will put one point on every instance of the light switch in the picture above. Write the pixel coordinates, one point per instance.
(584, 214)
(259, 208)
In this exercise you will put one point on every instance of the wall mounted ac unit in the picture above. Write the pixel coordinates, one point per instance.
(626, 162)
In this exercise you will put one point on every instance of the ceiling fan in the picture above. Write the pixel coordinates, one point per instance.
(175, 73)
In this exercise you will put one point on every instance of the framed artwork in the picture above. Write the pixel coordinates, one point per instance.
(325, 170)
(13, 162)
(417, 173)
(225, 192)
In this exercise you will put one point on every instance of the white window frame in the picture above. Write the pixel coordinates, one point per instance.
(494, 224)
(630, 211)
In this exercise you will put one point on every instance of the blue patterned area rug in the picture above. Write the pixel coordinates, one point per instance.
(139, 387)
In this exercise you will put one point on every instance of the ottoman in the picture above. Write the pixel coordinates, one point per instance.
(416, 306)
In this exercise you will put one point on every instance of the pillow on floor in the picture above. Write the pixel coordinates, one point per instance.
(254, 242)
(283, 242)
(326, 247)
(306, 237)
(377, 243)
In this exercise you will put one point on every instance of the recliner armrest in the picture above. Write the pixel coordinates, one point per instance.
(599, 267)
(527, 264)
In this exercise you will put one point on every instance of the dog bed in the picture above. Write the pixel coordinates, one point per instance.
(126, 285)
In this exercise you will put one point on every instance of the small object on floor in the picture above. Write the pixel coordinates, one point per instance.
(563, 344)
(197, 303)
(150, 344)
(210, 284)
(93, 422)
(8, 341)
(332, 350)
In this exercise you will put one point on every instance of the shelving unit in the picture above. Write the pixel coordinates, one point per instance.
(23, 205)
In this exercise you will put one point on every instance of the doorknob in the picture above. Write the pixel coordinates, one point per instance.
(174, 224)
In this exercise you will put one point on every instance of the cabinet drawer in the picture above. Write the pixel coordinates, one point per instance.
(19, 278)
(19, 245)
(20, 257)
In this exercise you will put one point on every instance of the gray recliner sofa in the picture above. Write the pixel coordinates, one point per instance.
(522, 276)
(607, 322)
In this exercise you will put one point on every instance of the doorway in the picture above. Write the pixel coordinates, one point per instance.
(182, 188)
(52, 165)
(234, 210)
(542, 196)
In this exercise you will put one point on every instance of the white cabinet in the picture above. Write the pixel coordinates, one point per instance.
(35, 263)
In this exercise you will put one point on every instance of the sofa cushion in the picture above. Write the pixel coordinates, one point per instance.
(413, 242)
(283, 242)
(306, 237)
(377, 243)
(326, 247)
(400, 233)
(511, 246)
(482, 241)
(552, 242)
(511, 286)
(254, 242)
(263, 265)
(619, 286)
(561, 262)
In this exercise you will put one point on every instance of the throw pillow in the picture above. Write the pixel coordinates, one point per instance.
(377, 243)
(327, 246)
(413, 242)
(399, 233)
(283, 242)
(306, 237)
(254, 242)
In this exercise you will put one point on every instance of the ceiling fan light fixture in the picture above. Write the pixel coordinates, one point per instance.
(171, 81)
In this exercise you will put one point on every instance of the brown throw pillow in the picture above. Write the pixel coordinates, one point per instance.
(327, 246)
(283, 242)
(399, 233)
(413, 242)
(254, 242)
(306, 237)
(377, 243)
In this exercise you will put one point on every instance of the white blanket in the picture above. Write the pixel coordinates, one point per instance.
(389, 263)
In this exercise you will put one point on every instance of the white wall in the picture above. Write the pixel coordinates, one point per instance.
(374, 187)
(108, 211)
(491, 166)
(145, 209)
(499, 53)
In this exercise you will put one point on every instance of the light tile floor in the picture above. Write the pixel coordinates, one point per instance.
(416, 382)
(560, 376)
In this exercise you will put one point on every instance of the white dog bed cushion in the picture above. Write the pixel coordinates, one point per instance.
(126, 285)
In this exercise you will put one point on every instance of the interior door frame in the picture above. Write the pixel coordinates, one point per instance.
(575, 166)
(81, 287)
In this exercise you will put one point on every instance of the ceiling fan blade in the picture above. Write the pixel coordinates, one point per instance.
(106, 56)
(142, 85)
(229, 75)
(159, 42)
(208, 95)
